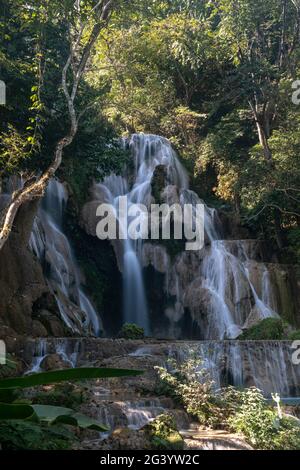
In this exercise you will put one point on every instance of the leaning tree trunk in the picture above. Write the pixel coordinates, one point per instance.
(36, 190)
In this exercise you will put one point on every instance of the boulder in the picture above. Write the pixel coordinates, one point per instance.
(54, 362)
(38, 329)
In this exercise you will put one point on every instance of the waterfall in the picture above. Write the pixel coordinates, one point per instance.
(220, 278)
(54, 251)
(226, 281)
(67, 349)
(148, 151)
(266, 365)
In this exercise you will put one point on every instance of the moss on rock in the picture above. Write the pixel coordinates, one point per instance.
(268, 329)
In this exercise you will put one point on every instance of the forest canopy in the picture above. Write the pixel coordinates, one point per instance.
(216, 77)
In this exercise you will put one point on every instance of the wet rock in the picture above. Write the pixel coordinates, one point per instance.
(156, 256)
(233, 332)
(159, 182)
(170, 195)
(53, 325)
(253, 319)
(121, 439)
(54, 362)
(214, 440)
(181, 418)
(38, 329)
(88, 217)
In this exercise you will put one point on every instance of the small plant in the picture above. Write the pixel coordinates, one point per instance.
(267, 329)
(164, 434)
(131, 331)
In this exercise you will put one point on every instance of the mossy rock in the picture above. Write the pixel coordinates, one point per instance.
(131, 331)
(268, 329)
(294, 336)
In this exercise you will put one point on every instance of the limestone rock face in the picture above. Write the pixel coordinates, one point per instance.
(156, 256)
(22, 281)
(88, 217)
(248, 249)
(38, 329)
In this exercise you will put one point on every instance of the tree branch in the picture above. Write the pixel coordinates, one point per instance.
(36, 189)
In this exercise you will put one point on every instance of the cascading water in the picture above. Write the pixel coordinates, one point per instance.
(148, 151)
(266, 365)
(67, 350)
(222, 272)
(54, 251)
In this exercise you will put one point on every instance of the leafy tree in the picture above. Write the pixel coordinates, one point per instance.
(84, 22)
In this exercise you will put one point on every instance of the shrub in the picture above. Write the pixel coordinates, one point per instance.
(131, 331)
(67, 395)
(294, 336)
(261, 425)
(268, 329)
(189, 385)
(164, 434)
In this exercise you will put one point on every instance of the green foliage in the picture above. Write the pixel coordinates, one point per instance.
(131, 331)
(13, 411)
(270, 328)
(261, 425)
(164, 434)
(25, 435)
(66, 394)
(95, 154)
(204, 74)
(45, 378)
(294, 336)
(58, 414)
(243, 411)
(189, 385)
(9, 367)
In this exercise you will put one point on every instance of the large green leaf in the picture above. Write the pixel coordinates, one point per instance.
(7, 395)
(50, 413)
(20, 412)
(58, 414)
(46, 378)
(85, 422)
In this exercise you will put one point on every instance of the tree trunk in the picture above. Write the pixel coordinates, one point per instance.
(36, 190)
(263, 140)
(278, 229)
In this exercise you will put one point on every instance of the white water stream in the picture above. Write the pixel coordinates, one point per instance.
(225, 277)
(54, 251)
